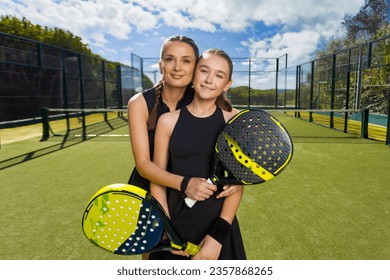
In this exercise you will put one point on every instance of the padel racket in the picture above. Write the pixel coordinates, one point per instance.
(253, 148)
(126, 220)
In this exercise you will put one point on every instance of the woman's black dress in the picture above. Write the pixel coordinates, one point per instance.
(150, 96)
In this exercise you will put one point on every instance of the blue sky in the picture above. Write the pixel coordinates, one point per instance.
(257, 28)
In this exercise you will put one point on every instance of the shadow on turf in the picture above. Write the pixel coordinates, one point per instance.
(69, 139)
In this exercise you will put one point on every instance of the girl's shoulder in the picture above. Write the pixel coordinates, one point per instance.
(169, 119)
(228, 115)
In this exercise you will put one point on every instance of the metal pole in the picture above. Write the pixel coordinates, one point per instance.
(331, 121)
(249, 83)
(82, 102)
(276, 83)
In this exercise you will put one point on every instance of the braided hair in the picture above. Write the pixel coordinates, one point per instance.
(160, 85)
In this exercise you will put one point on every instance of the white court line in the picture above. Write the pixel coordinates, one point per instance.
(103, 135)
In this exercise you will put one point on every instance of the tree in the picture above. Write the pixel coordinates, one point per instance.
(53, 36)
(370, 18)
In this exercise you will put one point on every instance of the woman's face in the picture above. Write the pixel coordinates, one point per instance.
(211, 76)
(177, 64)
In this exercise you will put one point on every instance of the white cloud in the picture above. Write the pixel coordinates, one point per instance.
(298, 45)
(91, 20)
(303, 24)
(300, 25)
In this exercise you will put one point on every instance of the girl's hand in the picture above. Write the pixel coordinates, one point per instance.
(180, 253)
(210, 250)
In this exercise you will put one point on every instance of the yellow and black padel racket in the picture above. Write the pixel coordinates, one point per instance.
(126, 220)
(253, 148)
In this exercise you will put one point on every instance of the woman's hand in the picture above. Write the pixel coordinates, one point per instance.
(199, 189)
(228, 190)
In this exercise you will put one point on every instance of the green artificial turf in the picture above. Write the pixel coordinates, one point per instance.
(331, 201)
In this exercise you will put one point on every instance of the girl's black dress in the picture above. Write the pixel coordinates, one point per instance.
(191, 150)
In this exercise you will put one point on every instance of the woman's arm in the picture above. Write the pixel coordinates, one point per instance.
(198, 188)
(161, 154)
(138, 128)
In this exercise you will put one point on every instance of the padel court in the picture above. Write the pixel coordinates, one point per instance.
(330, 203)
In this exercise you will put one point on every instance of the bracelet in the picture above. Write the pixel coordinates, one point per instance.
(220, 230)
(184, 184)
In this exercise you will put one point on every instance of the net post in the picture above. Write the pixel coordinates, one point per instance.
(84, 125)
(365, 116)
(45, 124)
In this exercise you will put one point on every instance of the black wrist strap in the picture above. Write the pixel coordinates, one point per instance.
(184, 184)
(220, 230)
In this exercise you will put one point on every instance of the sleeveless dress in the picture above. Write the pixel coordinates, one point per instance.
(191, 150)
(150, 96)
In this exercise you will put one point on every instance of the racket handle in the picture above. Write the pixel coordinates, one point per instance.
(189, 201)
(192, 249)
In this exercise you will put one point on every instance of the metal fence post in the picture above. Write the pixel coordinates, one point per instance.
(388, 121)
(45, 123)
(82, 102)
(333, 91)
(365, 117)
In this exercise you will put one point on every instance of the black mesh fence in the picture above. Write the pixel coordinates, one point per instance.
(35, 75)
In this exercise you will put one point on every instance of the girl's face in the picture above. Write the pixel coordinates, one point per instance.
(211, 76)
(177, 64)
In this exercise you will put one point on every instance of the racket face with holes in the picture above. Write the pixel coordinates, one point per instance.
(120, 219)
(254, 147)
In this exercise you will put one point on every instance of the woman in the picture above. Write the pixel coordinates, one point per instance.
(212, 222)
(178, 58)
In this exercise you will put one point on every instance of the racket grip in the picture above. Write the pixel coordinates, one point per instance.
(192, 249)
(191, 202)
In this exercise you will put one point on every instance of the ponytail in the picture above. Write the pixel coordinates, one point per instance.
(224, 102)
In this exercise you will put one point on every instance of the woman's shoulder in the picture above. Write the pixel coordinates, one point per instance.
(137, 101)
(145, 97)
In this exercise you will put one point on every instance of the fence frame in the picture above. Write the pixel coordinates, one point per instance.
(364, 62)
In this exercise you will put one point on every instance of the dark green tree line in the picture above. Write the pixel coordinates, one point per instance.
(53, 36)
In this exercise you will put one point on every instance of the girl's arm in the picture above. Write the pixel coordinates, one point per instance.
(211, 247)
(228, 190)
(198, 188)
